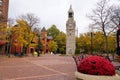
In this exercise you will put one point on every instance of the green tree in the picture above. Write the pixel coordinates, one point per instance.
(61, 42)
(53, 46)
(53, 31)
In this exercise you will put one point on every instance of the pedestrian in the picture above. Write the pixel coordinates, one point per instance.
(38, 51)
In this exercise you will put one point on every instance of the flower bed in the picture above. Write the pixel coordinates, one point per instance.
(96, 67)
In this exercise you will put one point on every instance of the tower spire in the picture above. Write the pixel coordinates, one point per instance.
(70, 10)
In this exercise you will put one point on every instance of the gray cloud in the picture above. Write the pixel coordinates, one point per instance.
(54, 11)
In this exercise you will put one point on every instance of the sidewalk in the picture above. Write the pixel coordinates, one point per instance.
(47, 67)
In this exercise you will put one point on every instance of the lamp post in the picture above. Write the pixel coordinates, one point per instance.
(91, 35)
(91, 43)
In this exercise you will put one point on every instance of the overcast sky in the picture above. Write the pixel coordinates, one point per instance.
(55, 11)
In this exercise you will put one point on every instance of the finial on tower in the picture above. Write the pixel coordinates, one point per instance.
(70, 10)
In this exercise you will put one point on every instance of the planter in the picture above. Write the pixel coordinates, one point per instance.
(82, 76)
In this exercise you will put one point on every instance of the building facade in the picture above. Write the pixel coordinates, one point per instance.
(4, 5)
(17, 47)
(45, 39)
(70, 30)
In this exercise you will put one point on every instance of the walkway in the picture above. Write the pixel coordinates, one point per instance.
(48, 67)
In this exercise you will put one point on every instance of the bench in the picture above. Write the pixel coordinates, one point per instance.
(77, 59)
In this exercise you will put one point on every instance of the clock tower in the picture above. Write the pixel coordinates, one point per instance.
(70, 31)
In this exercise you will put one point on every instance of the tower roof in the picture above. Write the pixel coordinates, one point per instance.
(43, 29)
(70, 10)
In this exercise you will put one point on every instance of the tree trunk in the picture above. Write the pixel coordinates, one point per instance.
(106, 40)
(25, 50)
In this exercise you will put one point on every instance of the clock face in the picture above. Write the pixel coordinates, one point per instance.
(70, 24)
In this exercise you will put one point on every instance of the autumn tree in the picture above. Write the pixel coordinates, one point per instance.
(26, 35)
(101, 21)
(112, 43)
(98, 42)
(31, 20)
(28, 22)
(53, 46)
(83, 42)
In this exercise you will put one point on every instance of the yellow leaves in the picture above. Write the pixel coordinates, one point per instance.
(26, 35)
(33, 45)
(112, 43)
(98, 41)
(53, 46)
(22, 23)
(99, 38)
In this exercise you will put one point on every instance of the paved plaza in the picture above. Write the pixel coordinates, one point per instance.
(46, 67)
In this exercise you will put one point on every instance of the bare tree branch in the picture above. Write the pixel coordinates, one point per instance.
(31, 19)
(101, 19)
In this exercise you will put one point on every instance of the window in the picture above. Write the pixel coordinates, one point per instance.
(0, 13)
(70, 15)
(0, 2)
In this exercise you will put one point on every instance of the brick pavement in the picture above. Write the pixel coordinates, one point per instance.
(47, 67)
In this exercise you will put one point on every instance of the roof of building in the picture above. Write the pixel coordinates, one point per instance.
(43, 29)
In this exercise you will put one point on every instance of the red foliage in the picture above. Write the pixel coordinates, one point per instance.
(96, 65)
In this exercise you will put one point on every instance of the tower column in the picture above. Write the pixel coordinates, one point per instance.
(70, 30)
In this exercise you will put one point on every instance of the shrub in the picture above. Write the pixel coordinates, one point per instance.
(96, 65)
